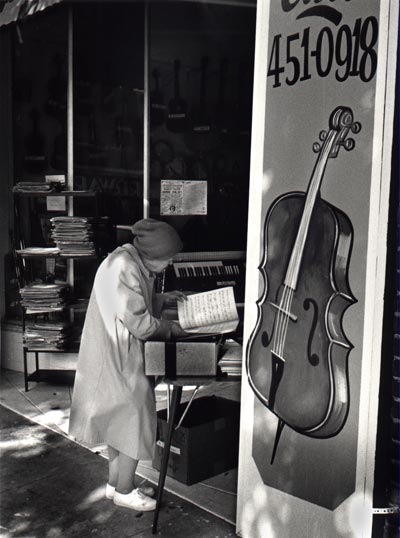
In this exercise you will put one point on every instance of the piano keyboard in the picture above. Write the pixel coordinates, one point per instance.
(211, 255)
(204, 269)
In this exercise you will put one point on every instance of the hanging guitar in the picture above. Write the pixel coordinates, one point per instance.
(177, 121)
(200, 117)
(157, 106)
(222, 118)
(297, 353)
(35, 160)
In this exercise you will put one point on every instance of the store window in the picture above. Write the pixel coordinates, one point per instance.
(199, 59)
(108, 105)
(39, 115)
(201, 73)
(39, 88)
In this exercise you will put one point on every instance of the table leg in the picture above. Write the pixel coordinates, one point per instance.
(25, 370)
(176, 398)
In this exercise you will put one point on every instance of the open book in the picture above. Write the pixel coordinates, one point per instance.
(209, 312)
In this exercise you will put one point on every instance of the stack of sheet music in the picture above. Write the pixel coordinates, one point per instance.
(47, 335)
(39, 251)
(33, 186)
(73, 235)
(40, 298)
(231, 359)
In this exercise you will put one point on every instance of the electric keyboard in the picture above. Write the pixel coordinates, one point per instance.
(204, 271)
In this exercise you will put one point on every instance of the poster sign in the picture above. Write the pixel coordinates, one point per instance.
(317, 199)
(178, 197)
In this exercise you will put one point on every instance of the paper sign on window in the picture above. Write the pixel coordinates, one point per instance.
(179, 197)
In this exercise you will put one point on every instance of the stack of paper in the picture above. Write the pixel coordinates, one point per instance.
(231, 359)
(33, 186)
(39, 251)
(73, 236)
(39, 298)
(47, 335)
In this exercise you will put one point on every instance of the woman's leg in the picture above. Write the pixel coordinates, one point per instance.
(113, 456)
(126, 473)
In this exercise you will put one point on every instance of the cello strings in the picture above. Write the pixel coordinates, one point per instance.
(283, 315)
(282, 320)
(287, 307)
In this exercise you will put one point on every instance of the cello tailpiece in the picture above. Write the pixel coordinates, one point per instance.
(277, 437)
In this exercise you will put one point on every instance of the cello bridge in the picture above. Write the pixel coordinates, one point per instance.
(285, 312)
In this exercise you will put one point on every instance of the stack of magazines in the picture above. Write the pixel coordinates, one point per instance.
(41, 298)
(33, 186)
(73, 236)
(38, 251)
(47, 335)
(231, 359)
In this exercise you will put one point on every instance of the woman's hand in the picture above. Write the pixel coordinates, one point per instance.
(177, 331)
(171, 297)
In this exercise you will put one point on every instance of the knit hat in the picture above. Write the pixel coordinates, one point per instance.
(155, 239)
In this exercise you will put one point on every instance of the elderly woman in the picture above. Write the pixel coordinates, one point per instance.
(113, 400)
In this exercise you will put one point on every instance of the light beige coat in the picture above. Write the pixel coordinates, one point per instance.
(113, 401)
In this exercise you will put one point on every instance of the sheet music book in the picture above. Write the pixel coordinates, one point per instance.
(209, 312)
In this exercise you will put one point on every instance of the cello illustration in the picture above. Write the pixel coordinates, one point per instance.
(297, 354)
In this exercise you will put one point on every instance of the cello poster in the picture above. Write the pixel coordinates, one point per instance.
(318, 196)
(297, 354)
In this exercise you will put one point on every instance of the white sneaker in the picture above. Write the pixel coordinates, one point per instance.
(147, 490)
(110, 490)
(136, 500)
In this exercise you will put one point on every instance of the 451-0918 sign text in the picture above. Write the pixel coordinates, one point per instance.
(349, 52)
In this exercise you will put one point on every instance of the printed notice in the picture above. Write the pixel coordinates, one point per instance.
(209, 312)
(56, 203)
(180, 197)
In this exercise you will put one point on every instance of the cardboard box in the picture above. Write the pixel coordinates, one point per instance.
(206, 444)
(186, 358)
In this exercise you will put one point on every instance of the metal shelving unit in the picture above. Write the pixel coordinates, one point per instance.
(67, 311)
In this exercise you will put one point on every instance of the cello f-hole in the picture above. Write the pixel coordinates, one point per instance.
(265, 339)
(313, 358)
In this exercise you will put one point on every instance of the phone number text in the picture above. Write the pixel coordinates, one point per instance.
(350, 52)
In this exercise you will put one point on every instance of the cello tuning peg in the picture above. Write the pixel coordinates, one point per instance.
(349, 144)
(316, 147)
(356, 127)
(322, 135)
